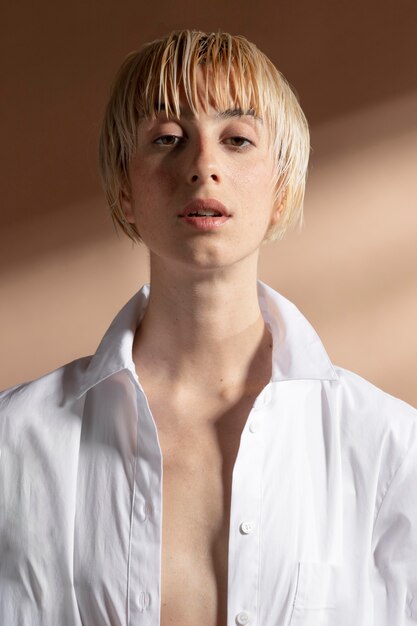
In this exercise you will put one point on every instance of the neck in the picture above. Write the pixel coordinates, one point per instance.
(203, 328)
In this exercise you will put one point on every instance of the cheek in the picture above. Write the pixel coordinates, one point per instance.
(154, 184)
(259, 192)
(257, 185)
(257, 175)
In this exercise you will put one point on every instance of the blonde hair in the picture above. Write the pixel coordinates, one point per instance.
(240, 75)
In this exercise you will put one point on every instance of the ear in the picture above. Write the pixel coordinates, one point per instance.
(126, 202)
(278, 208)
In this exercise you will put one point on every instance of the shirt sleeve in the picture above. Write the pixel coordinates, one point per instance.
(394, 547)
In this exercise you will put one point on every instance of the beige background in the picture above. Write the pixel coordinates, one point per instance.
(352, 270)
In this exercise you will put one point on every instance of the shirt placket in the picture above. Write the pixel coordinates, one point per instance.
(245, 521)
(146, 523)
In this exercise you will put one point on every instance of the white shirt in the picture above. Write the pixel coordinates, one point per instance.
(323, 522)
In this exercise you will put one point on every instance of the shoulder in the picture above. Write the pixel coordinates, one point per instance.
(361, 401)
(50, 392)
(378, 432)
(40, 426)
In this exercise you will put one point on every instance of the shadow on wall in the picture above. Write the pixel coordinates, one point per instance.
(67, 274)
(352, 270)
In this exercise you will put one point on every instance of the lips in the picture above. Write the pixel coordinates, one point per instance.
(205, 215)
(205, 207)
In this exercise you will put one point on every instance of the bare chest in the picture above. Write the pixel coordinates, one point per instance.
(198, 466)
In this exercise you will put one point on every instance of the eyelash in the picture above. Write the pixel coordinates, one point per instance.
(179, 140)
(159, 140)
(240, 138)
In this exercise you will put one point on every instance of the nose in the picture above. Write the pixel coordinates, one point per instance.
(203, 166)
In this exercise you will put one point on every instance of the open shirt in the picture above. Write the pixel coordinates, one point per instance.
(323, 521)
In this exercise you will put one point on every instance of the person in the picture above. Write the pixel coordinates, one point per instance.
(208, 464)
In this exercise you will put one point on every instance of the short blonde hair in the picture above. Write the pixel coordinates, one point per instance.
(240, 75)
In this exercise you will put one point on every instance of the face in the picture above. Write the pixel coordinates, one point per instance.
(201, 188)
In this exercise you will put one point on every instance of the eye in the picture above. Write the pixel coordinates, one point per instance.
(239, 142)
(168, 140)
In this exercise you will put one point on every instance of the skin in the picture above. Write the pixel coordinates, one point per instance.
(202, 351)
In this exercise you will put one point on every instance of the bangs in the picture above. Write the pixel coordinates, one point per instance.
(231, 77)
(237, 76)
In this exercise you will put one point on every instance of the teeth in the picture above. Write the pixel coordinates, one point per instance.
(205, 213)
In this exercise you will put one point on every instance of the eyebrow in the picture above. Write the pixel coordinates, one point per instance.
(227, 114)
(238, 113)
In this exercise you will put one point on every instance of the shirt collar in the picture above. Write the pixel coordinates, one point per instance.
(297, 350)
(114, 352)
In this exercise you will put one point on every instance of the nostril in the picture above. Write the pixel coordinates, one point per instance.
(197, 177)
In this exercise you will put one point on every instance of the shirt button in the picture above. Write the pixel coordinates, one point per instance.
(254, 426)
(146, 511)
(242, 618)
(144, 601)
(413, 609)
(259, 402)
(246, 527)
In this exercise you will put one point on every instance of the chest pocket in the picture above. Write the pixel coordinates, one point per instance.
(315, 596)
